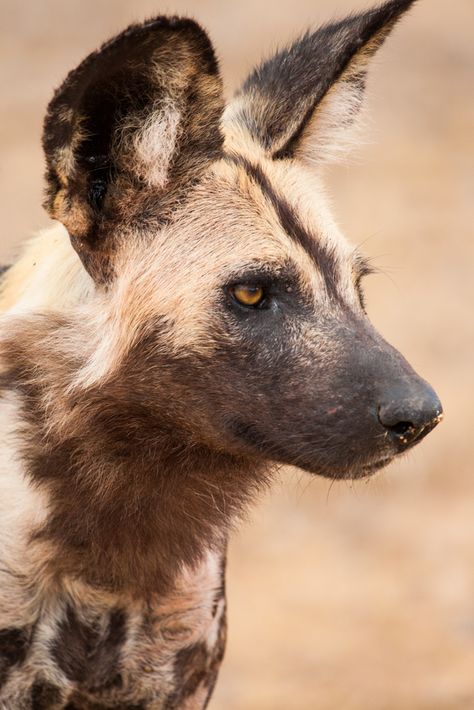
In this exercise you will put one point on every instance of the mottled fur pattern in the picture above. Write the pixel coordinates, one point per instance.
(143, 406)
(87, 648)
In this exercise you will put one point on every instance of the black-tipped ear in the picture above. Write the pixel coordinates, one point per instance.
(300, 101)
(134, 124)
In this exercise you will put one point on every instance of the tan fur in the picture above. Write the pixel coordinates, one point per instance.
(48, 275)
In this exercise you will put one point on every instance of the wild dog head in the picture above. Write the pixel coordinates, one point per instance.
(235, 312)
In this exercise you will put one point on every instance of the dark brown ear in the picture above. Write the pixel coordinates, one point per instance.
(128, 131)
(301, 101)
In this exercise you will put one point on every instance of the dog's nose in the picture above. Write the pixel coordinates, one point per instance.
(409, 414)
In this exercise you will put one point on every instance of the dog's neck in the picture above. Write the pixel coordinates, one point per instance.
(130, 503)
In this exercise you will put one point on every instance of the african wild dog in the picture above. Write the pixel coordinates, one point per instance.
(207, 322)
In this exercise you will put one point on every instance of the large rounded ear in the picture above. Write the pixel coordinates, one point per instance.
(301, 102)
(127, 133)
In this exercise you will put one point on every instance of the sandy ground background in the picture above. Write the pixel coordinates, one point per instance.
(344, 597)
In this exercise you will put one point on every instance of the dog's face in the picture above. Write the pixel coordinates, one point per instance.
(237, 301)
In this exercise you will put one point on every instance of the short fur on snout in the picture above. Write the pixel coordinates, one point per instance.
(197, 319)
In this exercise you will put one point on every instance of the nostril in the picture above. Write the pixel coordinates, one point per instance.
(404, 433)
(402, 429)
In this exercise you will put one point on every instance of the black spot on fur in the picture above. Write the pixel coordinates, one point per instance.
(89, 654)
(14, 644)
(197, 666)
(45, 696)
(190, 671)
(3, 269)
(97, 192)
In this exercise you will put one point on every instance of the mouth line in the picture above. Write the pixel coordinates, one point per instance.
(249, 434)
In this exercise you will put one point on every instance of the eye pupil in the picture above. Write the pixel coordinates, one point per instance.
(248, 295)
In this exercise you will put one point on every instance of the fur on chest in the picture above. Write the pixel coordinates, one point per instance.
(88, 650)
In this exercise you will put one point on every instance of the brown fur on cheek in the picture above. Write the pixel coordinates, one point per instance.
(132, 496)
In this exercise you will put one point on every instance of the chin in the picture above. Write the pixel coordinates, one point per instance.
(348, 471)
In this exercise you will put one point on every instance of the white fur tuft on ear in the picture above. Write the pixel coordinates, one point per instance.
(337, 125)
(155, 144)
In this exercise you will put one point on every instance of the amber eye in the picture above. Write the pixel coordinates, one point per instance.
(248, 295)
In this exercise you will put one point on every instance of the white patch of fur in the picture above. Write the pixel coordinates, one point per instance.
(155, 144)
(22, 509)
(336, 127)
(48, 275)
(104, 348)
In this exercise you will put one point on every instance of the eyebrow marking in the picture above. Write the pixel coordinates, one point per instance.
(290, 222)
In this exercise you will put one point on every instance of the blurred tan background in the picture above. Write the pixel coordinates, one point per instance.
(345, 596)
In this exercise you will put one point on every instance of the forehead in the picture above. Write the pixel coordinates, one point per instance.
(242, 214)
(249, 212)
